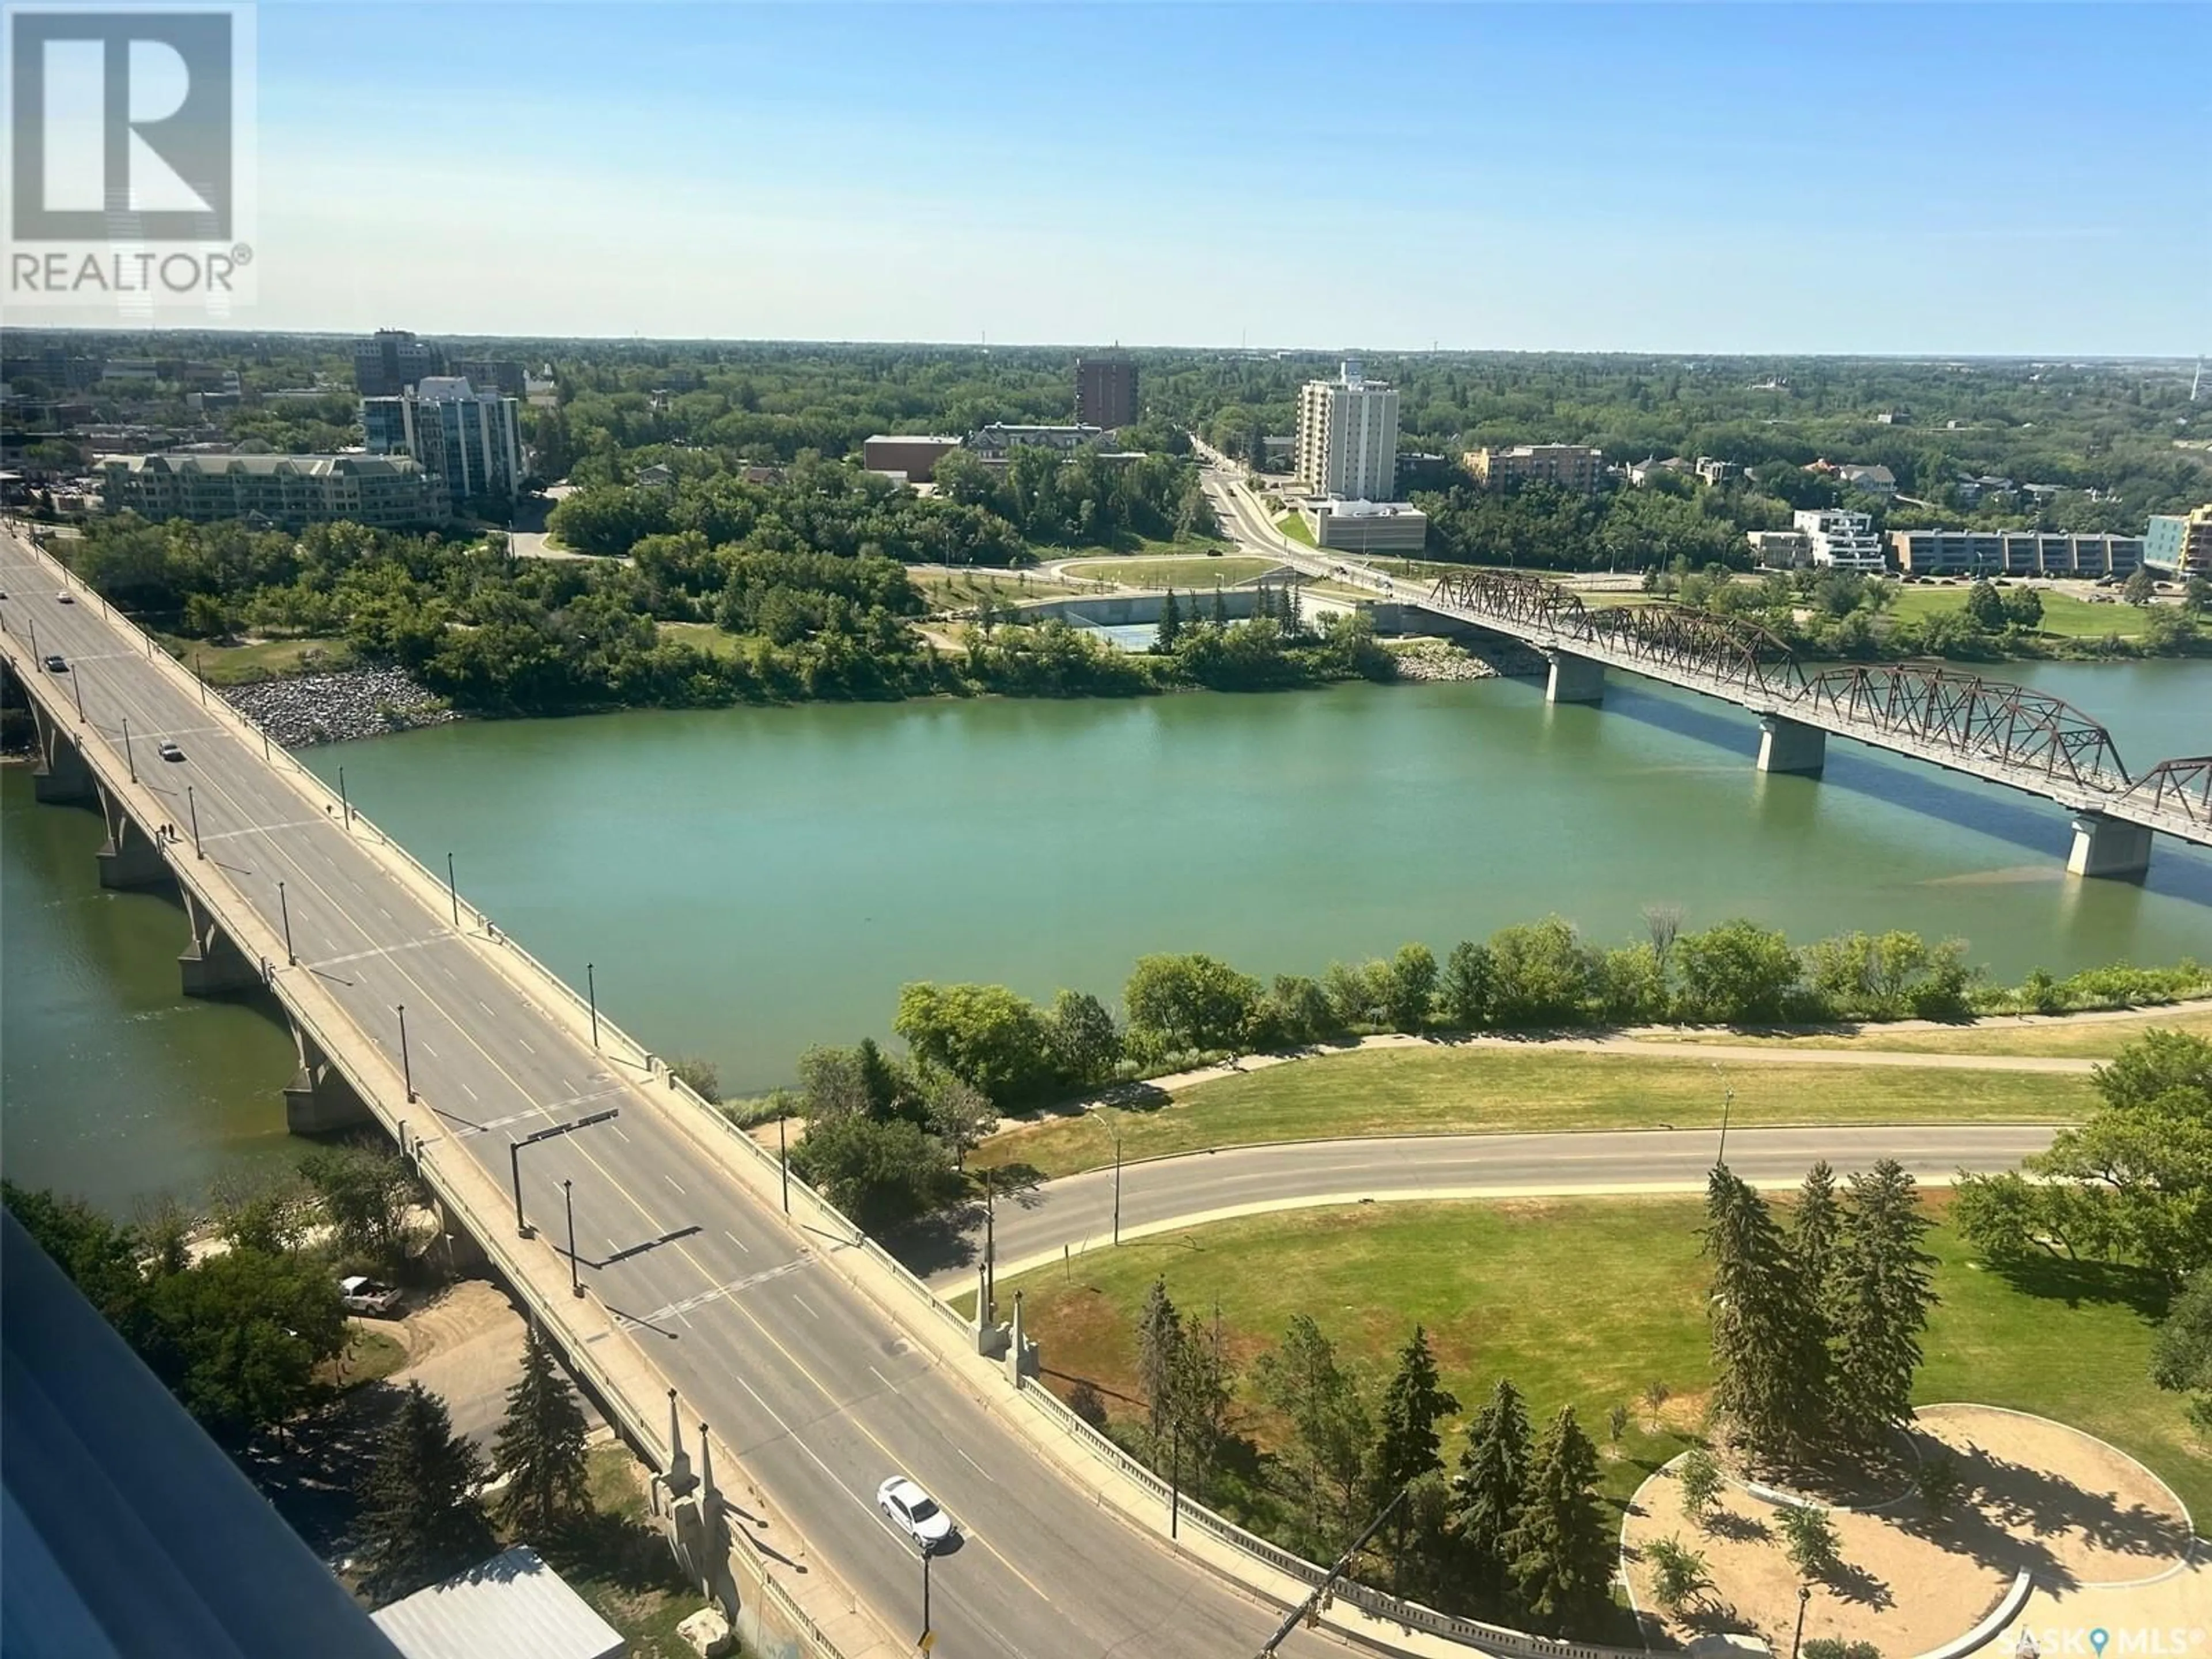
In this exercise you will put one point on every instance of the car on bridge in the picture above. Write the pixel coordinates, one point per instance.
(914, 1513)
(64, 598)
(170, 751)
(57, 663)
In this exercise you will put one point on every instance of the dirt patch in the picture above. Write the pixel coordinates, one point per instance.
(2040, 1496)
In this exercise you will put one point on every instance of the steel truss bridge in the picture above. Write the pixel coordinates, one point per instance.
(2005, 734)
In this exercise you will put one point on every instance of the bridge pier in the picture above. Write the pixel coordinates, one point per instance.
(1791, 746)
(1574, 679)
(319, 1101)
(2108, 846)
(59, 773)
(131, 857)
(212, 965)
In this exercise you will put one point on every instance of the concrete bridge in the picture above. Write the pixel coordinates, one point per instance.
(1989, 729)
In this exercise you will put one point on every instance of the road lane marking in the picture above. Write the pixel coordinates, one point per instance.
(671, 1180)
(428, 1050)
(801, 1301)
(469, 1092)
(972, 1464)
(735, 1240)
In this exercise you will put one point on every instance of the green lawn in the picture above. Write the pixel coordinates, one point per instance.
(1586, 1301)
(964, 589)
(242, 664)
(1225, 571)
(1435, 1089)
(1294, 525)
(709, 637)
(370, 1356)
(2063, 614)
(2077, 1039)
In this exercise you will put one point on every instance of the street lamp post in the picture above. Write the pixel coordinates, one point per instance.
(129, 759)
(193, 806)
(453, 890)
(1116, 1133)
(591, 995)
(406, 1068)
(1804, 1597)
(522, 1226)
(1727, 1101)
(514, 1169)
(200, 674)
(925, 1553)
(568, 1203)
(1175, 1485)
(343, 800)
(783, 1161)
(77, 690)
(284, 909)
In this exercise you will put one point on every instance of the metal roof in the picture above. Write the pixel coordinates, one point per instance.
(511, 1606)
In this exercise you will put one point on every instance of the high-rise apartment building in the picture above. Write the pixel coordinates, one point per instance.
(469, 442)
(1348, 436)
(2180, 544)
(1569, 466)
(392, 361)
(1105, 393)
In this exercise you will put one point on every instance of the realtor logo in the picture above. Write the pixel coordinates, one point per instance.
(121, 126)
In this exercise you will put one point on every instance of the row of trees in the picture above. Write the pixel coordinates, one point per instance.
(1517, 1531)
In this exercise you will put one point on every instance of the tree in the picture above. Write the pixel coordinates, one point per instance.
(1738, 972)
(1561, 1555)
(100, 1257)
(1662, 924)
(959, 1113)
(1985, 607)
(1701, 1480)
(540, 1448)
(1220, 608)
(700, 1076)
(2133, 1182)
(1541, 975)
(878, 1173)
(1616, 1424)
(2141, 586)
(2181, 1353)
(1677, 1573)
(368, 1198)
(238, 1336)
(1463, 992)
(1190, 1001)
(1770, 1368)
(1879, 1292)
(983, 1033)
(2197, 595)
(1815, 1224)
(1256, 448)
(1171, 624)
(1656, 1396)
(1084, 1044)
(1330, 1430)
(2023, 608)
(1409, 987)
(1406, 1445)
(1809, 1538)
(420, 1521)
(1199, 1389)
(1160, 1340)
(1491, 1482)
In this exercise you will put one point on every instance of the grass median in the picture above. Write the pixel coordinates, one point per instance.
(1588, 1302)
(1440, 1090)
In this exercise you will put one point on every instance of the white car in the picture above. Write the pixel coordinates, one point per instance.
(64, 598)
(914, 1512)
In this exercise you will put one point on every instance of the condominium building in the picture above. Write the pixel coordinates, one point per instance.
(469, 442)
(1779, 550)
(1569, 466)
(998, 440)
(392, 361)
(2180, 544)
(1348, 436)
(1105, 393)
(1839, 540)
(386, 492)
(2014, 553)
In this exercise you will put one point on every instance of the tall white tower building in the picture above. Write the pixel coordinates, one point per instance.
(1348, 436)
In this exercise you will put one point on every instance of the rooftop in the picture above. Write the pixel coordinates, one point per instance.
(356, 466)
(511, 1606)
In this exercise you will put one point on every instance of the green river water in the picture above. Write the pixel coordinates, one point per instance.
(746, 882)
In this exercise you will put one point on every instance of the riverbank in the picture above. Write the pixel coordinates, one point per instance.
(299, 711)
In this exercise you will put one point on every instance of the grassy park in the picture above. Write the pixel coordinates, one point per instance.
(257, 659)
(2063, 614)
(1588, 1300)
(1437, 1089)
(1204, 571)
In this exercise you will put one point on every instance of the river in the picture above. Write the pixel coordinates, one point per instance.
(747, 882)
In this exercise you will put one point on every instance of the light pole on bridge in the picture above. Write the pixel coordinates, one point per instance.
(453, 891)
(193, 806)
(129, 759)
(406, 1067)
(568, 1204)
(284, 909)
(591, 995)
(522, 1228)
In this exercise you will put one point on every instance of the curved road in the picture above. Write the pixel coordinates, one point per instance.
(1076, 1212)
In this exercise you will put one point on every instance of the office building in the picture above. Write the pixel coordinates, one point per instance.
(1567, 466)
(911, 456)
(1105, 393)
(2180, 544)
(501, 374)
(392, 361)
(469, 442)
(1348, 436)
(1840, 541)
(386, 492)
(2014, 553)
(1358, 526)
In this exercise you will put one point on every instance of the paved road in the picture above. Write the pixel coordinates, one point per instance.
(1077, 1211)
(816, 1391)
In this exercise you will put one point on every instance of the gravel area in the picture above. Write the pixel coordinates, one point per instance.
(1438, 659)
(359, 702)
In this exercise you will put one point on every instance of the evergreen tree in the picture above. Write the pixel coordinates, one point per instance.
(1220, 608)
(1493, 1476)
(1292, 618)
(1406, 1445)
(1770, 1366)
(1159, 1349)
(1561, 1553)
(1880, 1291)
(1256, 448)
(541, 1444)
(419, 1519)
(1197, 1411)
(1330, 1430)
(1170, 623)
(1815, 1226)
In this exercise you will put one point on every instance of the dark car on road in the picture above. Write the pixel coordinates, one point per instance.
(57, 663)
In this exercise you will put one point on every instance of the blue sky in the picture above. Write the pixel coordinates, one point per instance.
(1892, 178)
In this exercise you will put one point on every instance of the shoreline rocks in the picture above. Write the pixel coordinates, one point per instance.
(354, 702)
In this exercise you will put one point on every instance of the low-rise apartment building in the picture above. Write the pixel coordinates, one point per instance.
(2180, 544)
(998, 440)
(2013, 553)
(1839, 540)
(1569, 466)
(1779, 550)
(386, 492)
